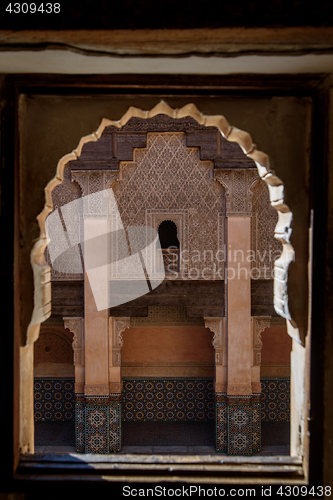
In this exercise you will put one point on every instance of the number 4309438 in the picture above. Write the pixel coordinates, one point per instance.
(33, 8)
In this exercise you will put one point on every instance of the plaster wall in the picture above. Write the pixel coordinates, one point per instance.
(276, 345)
(167, 345)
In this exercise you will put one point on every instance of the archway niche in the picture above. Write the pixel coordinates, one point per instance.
(54, 394)
(167, 371)
(237, 390)
(167, 232)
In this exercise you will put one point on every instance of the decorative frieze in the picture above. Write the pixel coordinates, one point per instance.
(96, 390)
(166, 316)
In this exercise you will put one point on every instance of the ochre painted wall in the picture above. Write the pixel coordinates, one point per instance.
(167, 344)
(276, 345)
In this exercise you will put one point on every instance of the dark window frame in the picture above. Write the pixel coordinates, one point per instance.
(22, 473)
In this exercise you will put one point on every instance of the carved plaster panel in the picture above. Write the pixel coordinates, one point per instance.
(259, 324)
(96, 390)
(215, 326)
(62, 195)
(167, 180)
(265, 247)
(76, 326)
(166, 316)
(218, 356)
(117, 326)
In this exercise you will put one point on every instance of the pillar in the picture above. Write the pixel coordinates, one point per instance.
(116, 329)
(76, 326)
(98, 412)
(238, 404)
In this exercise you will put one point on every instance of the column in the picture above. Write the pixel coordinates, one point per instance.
(96, 416)
(235, 408)
(76, 326)
(219, 341)
(116, 329)
(259, 324)
(239, 388)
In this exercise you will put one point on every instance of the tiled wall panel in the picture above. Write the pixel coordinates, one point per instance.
(54, 399)
(168, 400)
(275, 400)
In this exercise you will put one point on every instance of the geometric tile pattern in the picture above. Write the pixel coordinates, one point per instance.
(221, 427)
(79, 427)
(240, 429)
(114, 427)
(275, 400)
(54, 399)
(168, 400)
(96, 429)
(97, 424)
(256, 425)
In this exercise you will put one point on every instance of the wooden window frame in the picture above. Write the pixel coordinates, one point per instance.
(21, 472)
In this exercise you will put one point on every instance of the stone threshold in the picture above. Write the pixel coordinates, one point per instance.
(170, 450)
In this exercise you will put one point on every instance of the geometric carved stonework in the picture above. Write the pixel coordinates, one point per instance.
(215, 325)
(62, 194)
(259, 324)
(266, 248)
(116, 328)
(75, 325)
(166, 316)
(168, 177)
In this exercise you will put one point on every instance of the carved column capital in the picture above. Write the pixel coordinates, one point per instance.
(82, 179)
(259, 324)
(238, 190)
(215, 326)
(118, 326)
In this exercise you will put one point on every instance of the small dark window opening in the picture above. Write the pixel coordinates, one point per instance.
(167, 233)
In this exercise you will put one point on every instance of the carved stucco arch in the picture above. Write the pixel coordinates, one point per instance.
(42, 275)
(55, 331)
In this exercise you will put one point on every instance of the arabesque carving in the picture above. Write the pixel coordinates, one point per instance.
(76, 326)
(167, 180)
(215, 326)
(266, 249)
(259, 324)
(118, 326)
(166, 316)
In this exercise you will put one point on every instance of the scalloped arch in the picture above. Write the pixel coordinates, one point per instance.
(42, 276)
(176, 223)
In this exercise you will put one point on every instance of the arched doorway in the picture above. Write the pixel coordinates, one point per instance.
(54, 394)
(236, 390)
(168, 375)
